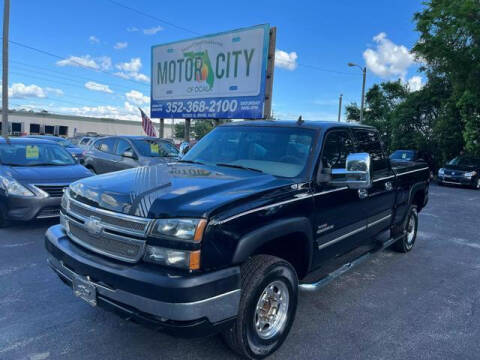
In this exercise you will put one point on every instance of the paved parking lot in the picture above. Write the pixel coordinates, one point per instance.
(424, 305)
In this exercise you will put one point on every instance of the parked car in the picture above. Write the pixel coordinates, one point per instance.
(414, 155)
(33, 174)
(222, 240)
(115, 153)
(76, 152)
(462, 170)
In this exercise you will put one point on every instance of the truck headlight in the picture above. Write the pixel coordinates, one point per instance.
(441, 172)
(470, 174)
(13, 187)
(171, 257)
(180, 229)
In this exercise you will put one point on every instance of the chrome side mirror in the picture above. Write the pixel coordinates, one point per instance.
(184, 147)
(356, 174)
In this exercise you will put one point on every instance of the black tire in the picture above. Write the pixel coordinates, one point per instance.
(406, 243)
(3, 218)
(258, 273)
(476, 185)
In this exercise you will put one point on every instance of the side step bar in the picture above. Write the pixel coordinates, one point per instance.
(344, 268)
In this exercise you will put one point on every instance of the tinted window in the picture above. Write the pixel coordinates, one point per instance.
(122, 146)
(464, 160)
(369, 142)
(105, 145)
(337, 146)
(280, 151)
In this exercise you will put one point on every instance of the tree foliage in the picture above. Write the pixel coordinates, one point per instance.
(444, 116)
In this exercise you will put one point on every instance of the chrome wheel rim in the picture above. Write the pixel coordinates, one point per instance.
(270, 316)
(411, 230)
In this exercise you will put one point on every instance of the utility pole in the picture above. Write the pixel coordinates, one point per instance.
(363, 94)
(6, 20)
(340, 107)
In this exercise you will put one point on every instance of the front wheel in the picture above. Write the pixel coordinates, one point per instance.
(267, 307)
(405, 244)
(476, 184)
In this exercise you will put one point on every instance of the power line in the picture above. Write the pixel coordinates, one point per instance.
(153, 17)
(75, 62)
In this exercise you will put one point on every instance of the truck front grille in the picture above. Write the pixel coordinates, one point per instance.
(111, 234)
(113, 247)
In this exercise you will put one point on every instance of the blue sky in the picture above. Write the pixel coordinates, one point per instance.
(113, 44)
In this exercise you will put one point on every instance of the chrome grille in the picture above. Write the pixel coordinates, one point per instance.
(78, 210)
(111, 246)
(52, 190)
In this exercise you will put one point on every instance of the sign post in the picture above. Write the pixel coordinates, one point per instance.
(222, 76)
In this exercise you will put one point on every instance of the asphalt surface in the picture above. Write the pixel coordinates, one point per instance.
(423, 305)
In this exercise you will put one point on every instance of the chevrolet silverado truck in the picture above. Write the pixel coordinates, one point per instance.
(222, 240)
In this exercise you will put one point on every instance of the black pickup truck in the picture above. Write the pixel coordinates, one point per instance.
(223, 239)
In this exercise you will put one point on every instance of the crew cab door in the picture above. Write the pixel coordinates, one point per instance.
(341, 221)
(380, 198)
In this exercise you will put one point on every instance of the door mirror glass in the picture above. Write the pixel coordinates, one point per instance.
(129, 154)
(356, 174)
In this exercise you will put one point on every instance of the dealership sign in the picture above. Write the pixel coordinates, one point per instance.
(216, 76)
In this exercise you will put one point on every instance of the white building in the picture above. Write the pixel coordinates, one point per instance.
(30, 123)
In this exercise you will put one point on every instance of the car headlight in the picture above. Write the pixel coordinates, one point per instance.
(179, 229)
(441, 171)
(182, 259)
(470, 174)
(13, 187)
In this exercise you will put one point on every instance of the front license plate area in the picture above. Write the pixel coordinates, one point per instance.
(85, 290)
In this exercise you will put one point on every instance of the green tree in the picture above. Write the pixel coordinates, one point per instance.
(449, 44)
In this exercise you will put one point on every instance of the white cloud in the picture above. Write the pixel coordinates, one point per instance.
(415, 83)
(91, 85)
(104, 111)
(130, 70)
(93, 39)
(133, 65)
(153, 30)
(120, 45)
(132, 29)
(86, 61)
(286, 60)
(137, 97)
(388, 59)
(58, 92)
(22, 91)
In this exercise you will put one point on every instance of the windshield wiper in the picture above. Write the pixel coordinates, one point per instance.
(191, 162)
(47, 164)
(239, 167)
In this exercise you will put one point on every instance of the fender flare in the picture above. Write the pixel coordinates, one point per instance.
(252, 241)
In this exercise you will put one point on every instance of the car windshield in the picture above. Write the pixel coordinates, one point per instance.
(279, 151)
(155, 148)
(464, 160)
(34, 154)
(407, 155)
(64, 142)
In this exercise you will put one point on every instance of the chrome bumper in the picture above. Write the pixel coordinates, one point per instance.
(215, 309)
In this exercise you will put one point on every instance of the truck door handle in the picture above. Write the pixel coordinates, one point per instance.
(362, 193)
(388, 186)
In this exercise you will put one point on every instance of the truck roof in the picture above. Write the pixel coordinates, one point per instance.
(309, 124)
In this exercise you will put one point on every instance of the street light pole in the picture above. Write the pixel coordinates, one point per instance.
(364, 71)
(6, 20)
(340, 107)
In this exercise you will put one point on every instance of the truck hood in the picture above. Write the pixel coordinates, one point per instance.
(174, 189)
(47, 174)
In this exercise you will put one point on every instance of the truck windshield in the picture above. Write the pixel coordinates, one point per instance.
(279, 151)
(155, 148)
(34, 155)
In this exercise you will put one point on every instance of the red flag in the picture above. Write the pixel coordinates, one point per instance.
(147, 125)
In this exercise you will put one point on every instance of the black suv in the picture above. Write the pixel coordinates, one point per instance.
(222, 240)
(114, 153)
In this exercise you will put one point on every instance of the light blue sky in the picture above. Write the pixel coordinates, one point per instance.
(315, 40)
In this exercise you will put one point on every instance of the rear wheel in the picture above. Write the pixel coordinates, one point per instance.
(267, 307)
(405, 244)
